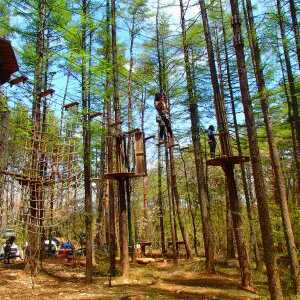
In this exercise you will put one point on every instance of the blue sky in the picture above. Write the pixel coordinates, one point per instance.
(168, 7)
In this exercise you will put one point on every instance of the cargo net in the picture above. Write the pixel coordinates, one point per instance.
(41, 187)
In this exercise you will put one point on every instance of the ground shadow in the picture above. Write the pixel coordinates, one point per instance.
(56, 276)
(209, 281)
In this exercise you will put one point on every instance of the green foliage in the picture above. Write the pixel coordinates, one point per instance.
(4, 18)
(135, 22)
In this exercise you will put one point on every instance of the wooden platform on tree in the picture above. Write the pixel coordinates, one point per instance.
(122, 175)
(222, 160)
(8, 61)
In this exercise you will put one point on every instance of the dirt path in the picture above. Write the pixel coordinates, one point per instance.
(159, 280)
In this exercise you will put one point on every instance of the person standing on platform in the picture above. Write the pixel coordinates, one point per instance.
(212, 141)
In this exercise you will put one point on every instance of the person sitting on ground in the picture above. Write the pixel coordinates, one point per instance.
(160, 103)
(66, 250)
(68, 245)
(7, 249)
(212, 141)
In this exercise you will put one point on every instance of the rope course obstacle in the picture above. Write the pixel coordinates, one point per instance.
(221, 159)
(40, 185)
(44, 184)
(123, 167)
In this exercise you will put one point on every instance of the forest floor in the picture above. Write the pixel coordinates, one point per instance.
(161, 279)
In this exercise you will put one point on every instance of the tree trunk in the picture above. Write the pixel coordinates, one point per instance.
(175, 194)
(63, 104)
(261, 196)
(290, 119)
(279, 180)
(161, 80)
(171, 206)
(160, 73)
(101, 193)
(128, 189)
(230, 253)
(123, 228)
(171, 161)
(235, 204)
(253, 238)
(195, 128)
(295, 26)
(160, 203)
(109, 146)
(87, 151)
(253, 235)
(35, 189)
(130, 145)
(190, 204)
(4, 117)
(145, 178)
(291, 84)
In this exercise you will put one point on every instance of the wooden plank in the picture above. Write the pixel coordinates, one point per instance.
(119, 175)
(47, 93)
(18, 80)
(139, 153)
(70, 105)
(131, 131)
(220, 161)
(93, 115)
(149, 137)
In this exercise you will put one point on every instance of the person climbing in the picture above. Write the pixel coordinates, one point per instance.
(162, 129)
(7, 250)
(212, 141)
(160, 103)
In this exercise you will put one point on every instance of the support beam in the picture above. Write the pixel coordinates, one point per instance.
(47, 93)
(70, 105)
(21, 79)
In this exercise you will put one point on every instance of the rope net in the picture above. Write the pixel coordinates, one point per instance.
(40, 189)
